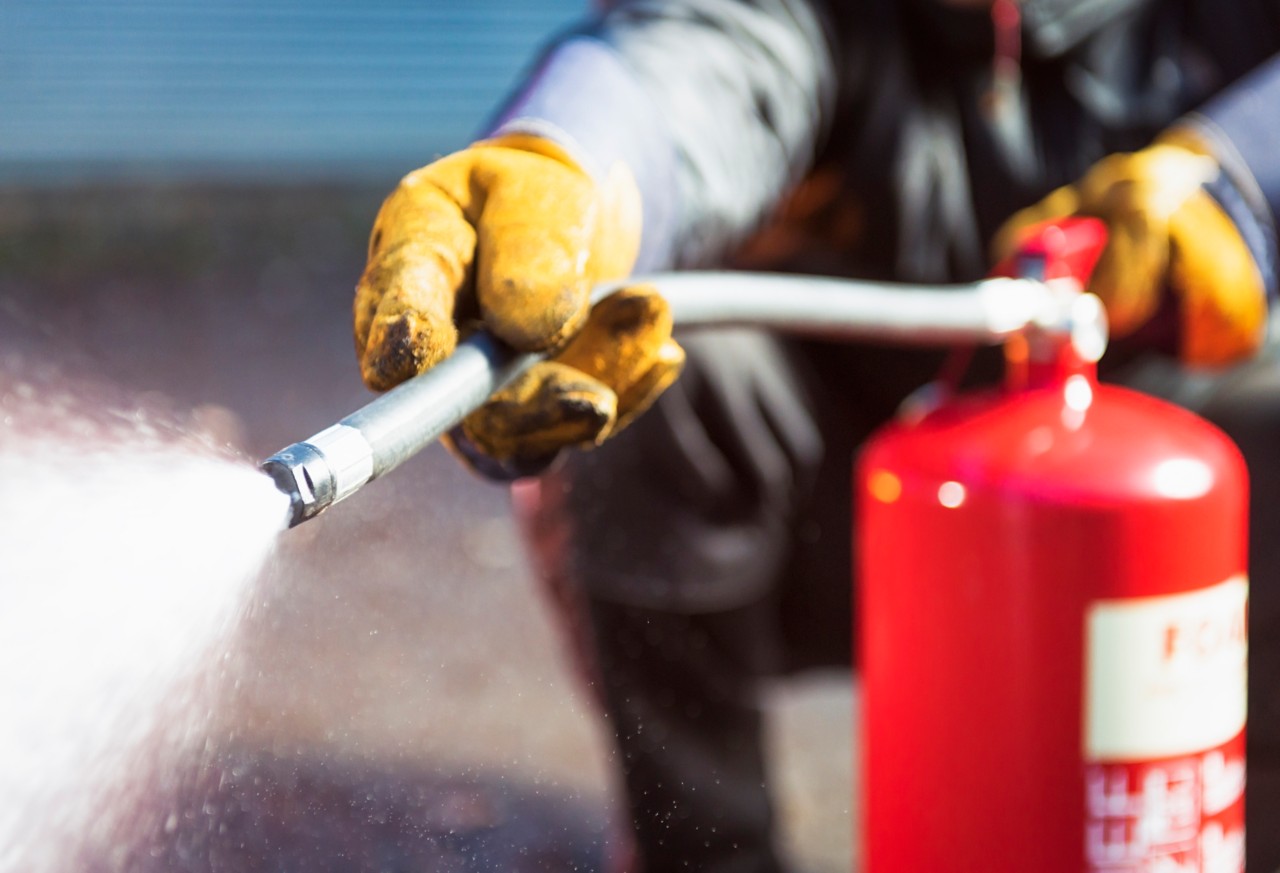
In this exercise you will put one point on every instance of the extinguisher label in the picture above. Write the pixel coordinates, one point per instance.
(1164, 732)
(1165, 675)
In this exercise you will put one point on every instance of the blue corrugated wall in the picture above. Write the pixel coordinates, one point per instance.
(254, 86)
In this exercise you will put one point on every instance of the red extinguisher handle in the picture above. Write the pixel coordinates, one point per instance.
(1059, 248)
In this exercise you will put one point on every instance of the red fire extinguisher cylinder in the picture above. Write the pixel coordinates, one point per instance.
(1052, 587)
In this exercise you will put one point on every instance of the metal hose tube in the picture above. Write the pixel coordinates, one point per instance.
(337, 461)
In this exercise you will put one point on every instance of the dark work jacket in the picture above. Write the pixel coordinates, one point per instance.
(721, 107)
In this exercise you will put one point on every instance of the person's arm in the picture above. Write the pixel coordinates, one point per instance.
(1193, 214)
(1241, 129)
(657, 135)
(715, 105)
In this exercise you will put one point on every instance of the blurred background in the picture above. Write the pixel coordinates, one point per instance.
(186, 188)
(232, 89)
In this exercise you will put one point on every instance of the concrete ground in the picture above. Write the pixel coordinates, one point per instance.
(399, 698)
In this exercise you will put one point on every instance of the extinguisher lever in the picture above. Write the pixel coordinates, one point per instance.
(1064, 248)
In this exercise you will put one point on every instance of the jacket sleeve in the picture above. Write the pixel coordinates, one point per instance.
(1242, 126)
(715, 105)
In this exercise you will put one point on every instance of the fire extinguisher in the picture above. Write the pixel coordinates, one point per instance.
(1051, 575)
(1052, 613)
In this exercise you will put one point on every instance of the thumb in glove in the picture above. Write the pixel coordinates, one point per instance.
(609, 373)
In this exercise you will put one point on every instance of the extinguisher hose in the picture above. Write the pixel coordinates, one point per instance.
(378, 437)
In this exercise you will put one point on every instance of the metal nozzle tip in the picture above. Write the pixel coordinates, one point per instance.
(302, 473)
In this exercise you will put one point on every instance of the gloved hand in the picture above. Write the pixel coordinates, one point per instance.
(512, 234)
(1165, 233)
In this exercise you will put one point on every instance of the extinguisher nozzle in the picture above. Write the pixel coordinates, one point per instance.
(303, 475)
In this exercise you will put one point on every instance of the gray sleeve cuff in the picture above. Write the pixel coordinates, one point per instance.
(716, 106)
(1242, 128)
(582, 97)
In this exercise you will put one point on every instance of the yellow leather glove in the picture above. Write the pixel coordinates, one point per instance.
(511, 234)
(1164, 233)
